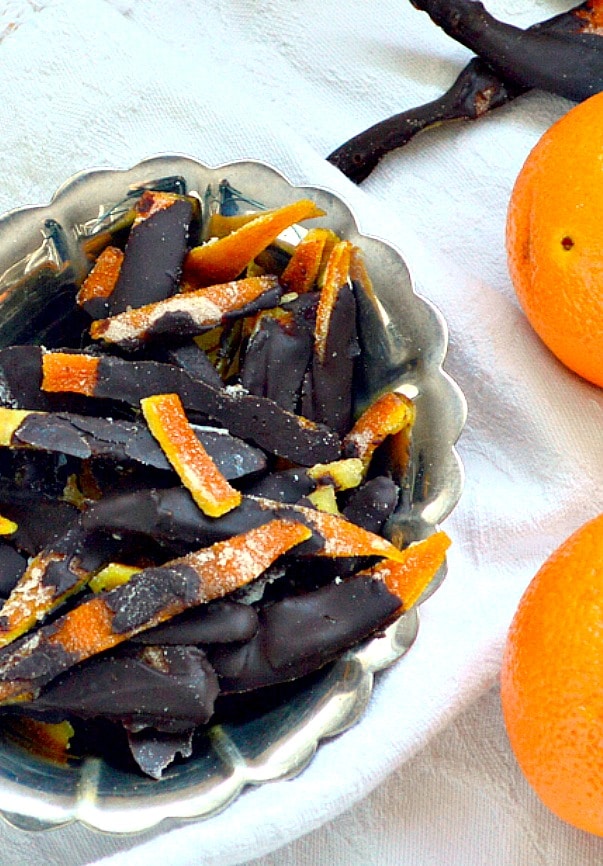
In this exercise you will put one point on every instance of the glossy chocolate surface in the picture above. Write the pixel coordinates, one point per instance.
(153, 258)
(168, 688)
(300, 634)
(214, 623)
(255, 419)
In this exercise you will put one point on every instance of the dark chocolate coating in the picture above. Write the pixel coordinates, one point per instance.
(328, 387)
(12, 566)
(96, 307)
(278, 356)
(372, 504)
(255, 419)
(477, 90)
(59, 576)
(153, 258)
(300, 634)
(192, 359)
(21, 377)
(25, 472)
(171, 516)
(336, 616)
(85, 553)
(41, 520)
(149, 592)
(220, 621)
(54, 433)
(84, 437)
(166, 687)
(288, 485)
(566, 66)
(154, 750)
(40, 667)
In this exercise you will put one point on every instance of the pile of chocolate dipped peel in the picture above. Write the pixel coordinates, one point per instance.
(190, 509)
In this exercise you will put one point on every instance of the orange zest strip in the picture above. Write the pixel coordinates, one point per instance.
(205, 307)
(169, 425)
(410, 576)
(301, 273)
(32, 599)
(101, 280)
(389, 414)
(336, 275)
(224, 259)
(90, 628)
(62, 371)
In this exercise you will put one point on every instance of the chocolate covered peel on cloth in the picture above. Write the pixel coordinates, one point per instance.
(226, 475)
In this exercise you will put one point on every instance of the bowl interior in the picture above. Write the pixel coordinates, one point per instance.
(44, 254)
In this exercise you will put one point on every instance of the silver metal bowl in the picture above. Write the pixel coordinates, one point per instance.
(44, 251)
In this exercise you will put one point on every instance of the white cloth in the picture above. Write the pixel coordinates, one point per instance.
(91, 82)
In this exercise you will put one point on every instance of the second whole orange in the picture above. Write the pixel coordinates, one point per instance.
(555, 239)
(552, 680)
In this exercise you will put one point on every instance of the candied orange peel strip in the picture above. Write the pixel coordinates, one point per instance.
(169, 425)
(32, 599)
(409, 577)
(336, 275)
(208, 306)
(324, 499)
(7, 526)
(389, 414)
(219, 225)
(341, 537)
(224, 259)
(343, 474)
(101, 280)
(65, 371)
(88, 629)
(302, 271)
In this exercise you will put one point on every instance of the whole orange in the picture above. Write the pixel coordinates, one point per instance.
(555, 239)
(552, 680)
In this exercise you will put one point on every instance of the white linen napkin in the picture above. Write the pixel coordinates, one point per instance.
(88, 83)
